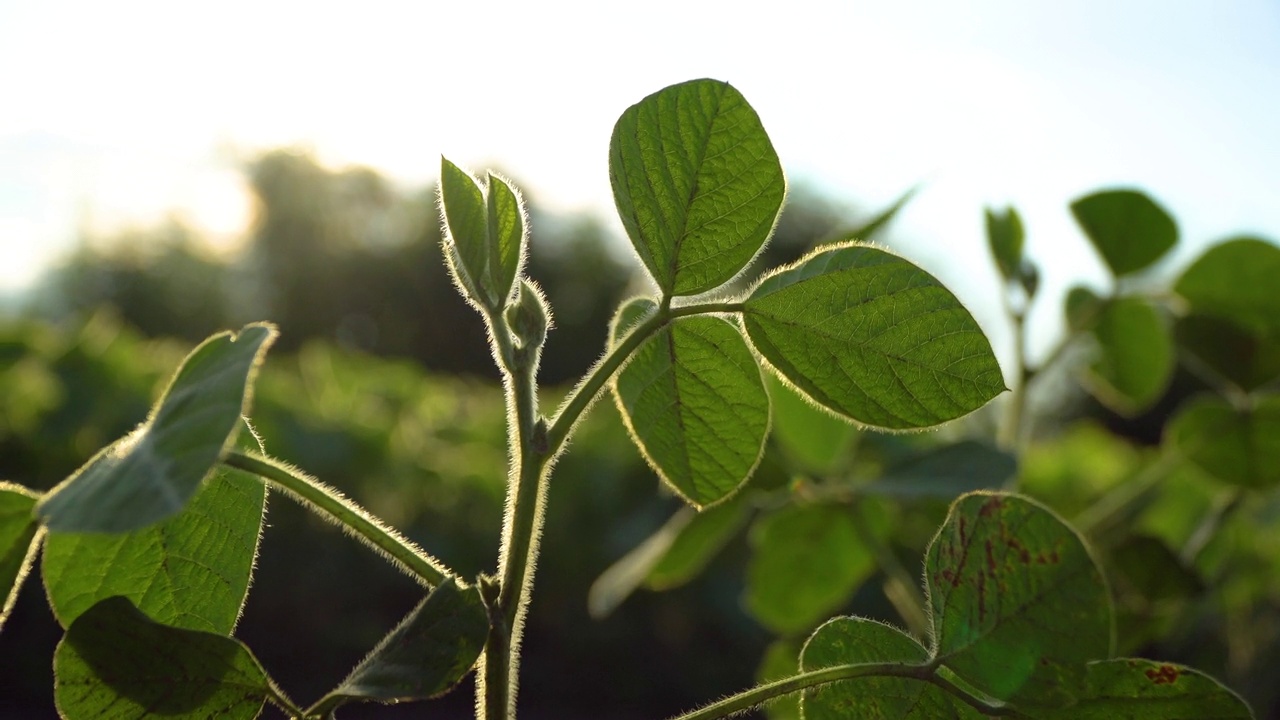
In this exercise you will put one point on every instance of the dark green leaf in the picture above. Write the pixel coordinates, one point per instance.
(872, 337)
(19, 539)
(1247, 358)
(1134, 689)
(1005, 238)
(694, 401)
(152, 473)
(807, 561)
(1018, 604)
(507, 236)
(1128, 228)
(697, 184)
(946, 472)
(1236, 280)
(852, 641)
(467, 236)
(1237, 446)
(115, 663)
(697, 543)
(814, 438)
(1135, 358)
(877, 223)
(781, 660)
(1083, 308)
(1146, 565)
(432, 649)
(190, 571)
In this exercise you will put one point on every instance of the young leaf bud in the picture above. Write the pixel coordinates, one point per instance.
(527, 316)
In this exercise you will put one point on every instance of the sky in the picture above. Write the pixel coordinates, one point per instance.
(123, 113)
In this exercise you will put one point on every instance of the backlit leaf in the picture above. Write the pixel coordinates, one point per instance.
(697, 543)
(697, 184)
(694, 401)
(873, 226)
(152, 473)
(190, 571)
(850, 641)
(1237, 446)
(433, 648)
(1248, 358)
(1127, 228)
(1135, 359)
(1135, 689)
(946, 471)
(466, 239)
(19, 533)
(1235, 280)
(507, 237)
(1018, 604)
(815, 439)
(115, 663)
(872, 337)
(1005, 238)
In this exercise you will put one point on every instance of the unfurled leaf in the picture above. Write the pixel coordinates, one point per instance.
(807, 560)
(1135, 359)
(1247, 358)
(872, 337)
(1235, 280)
(115, 663)
(1018, 604)
(152, 473)
(432, 649)
(697, 543)
(190, 571)
(19, 539)
(466, 239)
(1240, 446)
(697, 184)
(872, 227)
(507, 236)
(626, 574)
(1135, 689)
(851, 641)
(946, 472)
(694, 401)
(815, 439)
(1005, 238)
(1127, 228)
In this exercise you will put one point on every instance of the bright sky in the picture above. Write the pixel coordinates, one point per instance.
(122, 112)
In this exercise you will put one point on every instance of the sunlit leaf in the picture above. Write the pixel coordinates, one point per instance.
(1247, 358)
(507, 236)
(697, 184)
(872, 227)
(152, 473)
(1127, 228)
(424, 657)
(1005, 238)
(628, 572)
(1235, 280)
(850, 641)
(19, 533)
(807, 560)
(1240, 446)
(872, 337)
(466, 239)
(1135, 358)
(815, 439)
(629, 314)
(694, 401)
(697, 543)
(190, 571)
(946, 472)
(1135, 689)
(1018, 604)
(115, 663)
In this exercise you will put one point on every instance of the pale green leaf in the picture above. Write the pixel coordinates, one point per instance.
(1005, 238)
(1018, 604)
(813, 438)
(115, 663)
(466, 239)
(697, 542)
(152, 473)
(697, 184)
(694, 401)
(1235, 280)
(1135, 358)
(507, 236)
(1136, 689)
(19, 540)
(1127, 228)
(1240, 446)
(872, 227)
(872, 337)
(190, 571)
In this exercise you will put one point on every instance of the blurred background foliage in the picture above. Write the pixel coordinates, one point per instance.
(382, 386)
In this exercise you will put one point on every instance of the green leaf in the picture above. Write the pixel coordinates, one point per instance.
(190, 571)
(813, 438)
(1146, 565)
(19, 539)
(424, 657)
(807, 561)
(1246, 358)
(694, 401)
(626, 574)
(1236, 446)
(697, 184)
(872, 337)
(115, 663)
(630, 314)
(1134, 689)
(852, 641)
(1083, 308)
(150, 474)
(1005, 238)
(507, 236)
(1018, 604)
(698, 542)
(946, 472)
(873, 226)
(1128, 228)
(466, 239)
(1135, 358)
(1235, 280)
(780, 661)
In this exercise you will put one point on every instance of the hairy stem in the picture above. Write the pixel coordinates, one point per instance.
(332, 505)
